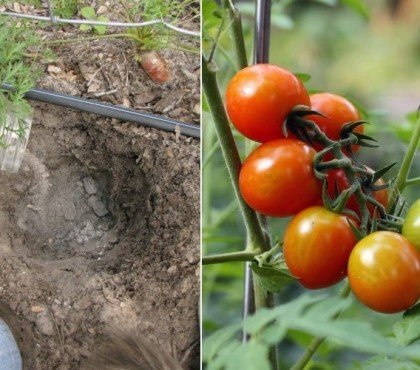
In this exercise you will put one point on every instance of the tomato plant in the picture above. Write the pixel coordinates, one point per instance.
(384, 272)
(259, 97)
(411, 226)
(311, 250)
(274, 183)
(317, 246)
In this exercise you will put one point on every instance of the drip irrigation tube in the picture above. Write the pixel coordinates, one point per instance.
(109, 110)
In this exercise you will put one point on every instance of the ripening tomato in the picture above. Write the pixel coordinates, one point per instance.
(339, 112)
(259, 98)
(317, 246)
(384, 272)
(277, 178)
(411, 226)
(338, 177)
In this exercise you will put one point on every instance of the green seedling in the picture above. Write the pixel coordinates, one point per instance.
(89, 13)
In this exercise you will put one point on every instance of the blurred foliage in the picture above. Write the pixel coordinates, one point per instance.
(361, 50)
(314, 314)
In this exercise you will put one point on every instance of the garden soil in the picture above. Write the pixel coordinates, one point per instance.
(100, 227)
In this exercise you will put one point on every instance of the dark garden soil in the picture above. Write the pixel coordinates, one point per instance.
(100, 227)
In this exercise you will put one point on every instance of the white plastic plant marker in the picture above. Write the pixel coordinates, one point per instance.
(11, 154)
(10, 358)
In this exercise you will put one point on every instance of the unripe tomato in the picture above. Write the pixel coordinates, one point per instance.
(384, 272)
(317, 246)
(338, 177)
(339, 112)
(411, 226)
(277, 178)
(259, 98)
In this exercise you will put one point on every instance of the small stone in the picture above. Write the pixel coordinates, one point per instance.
(90, 185)
(37, 309)
(172, 270)
(69, 211)
(102, 9)
(53, 69)
(45, 323)
(97, 206)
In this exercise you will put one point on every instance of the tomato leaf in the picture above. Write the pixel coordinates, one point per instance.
(311, 314)
(263, 317)
(249, 356)
(383, 362)
(213, 343)
(272, 279)
(211, 13)
(407, 331)
(358, 6)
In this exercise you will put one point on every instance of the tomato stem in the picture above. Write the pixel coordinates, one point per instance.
(413, 181)
(236, 33)
(257, 241)
(255, 238)
(229, 257)
(316, 343)
(402, 178)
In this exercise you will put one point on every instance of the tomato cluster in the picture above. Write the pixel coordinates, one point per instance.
(278, 179)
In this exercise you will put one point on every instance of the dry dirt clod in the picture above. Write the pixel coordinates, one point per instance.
(44, 322)
(97, 206)
(90, 185)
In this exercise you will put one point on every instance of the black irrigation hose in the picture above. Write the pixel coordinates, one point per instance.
(109, 110)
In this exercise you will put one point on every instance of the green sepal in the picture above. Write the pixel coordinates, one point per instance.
(349, 212)
(364, 137)
(374, 225)
(303, 110)
(356, 231)
(380, 173)
(349, 127)
(326, 200)
(341, 201)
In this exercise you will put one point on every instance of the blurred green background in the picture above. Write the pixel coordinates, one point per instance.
(369, 53)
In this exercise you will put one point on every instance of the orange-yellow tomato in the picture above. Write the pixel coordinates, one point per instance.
(384, 272)
(317, 246)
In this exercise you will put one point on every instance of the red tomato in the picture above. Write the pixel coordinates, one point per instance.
(339, 177)
(339, 112)
(259, 98)
(317, 246)
(384, 272)
(277, 178)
